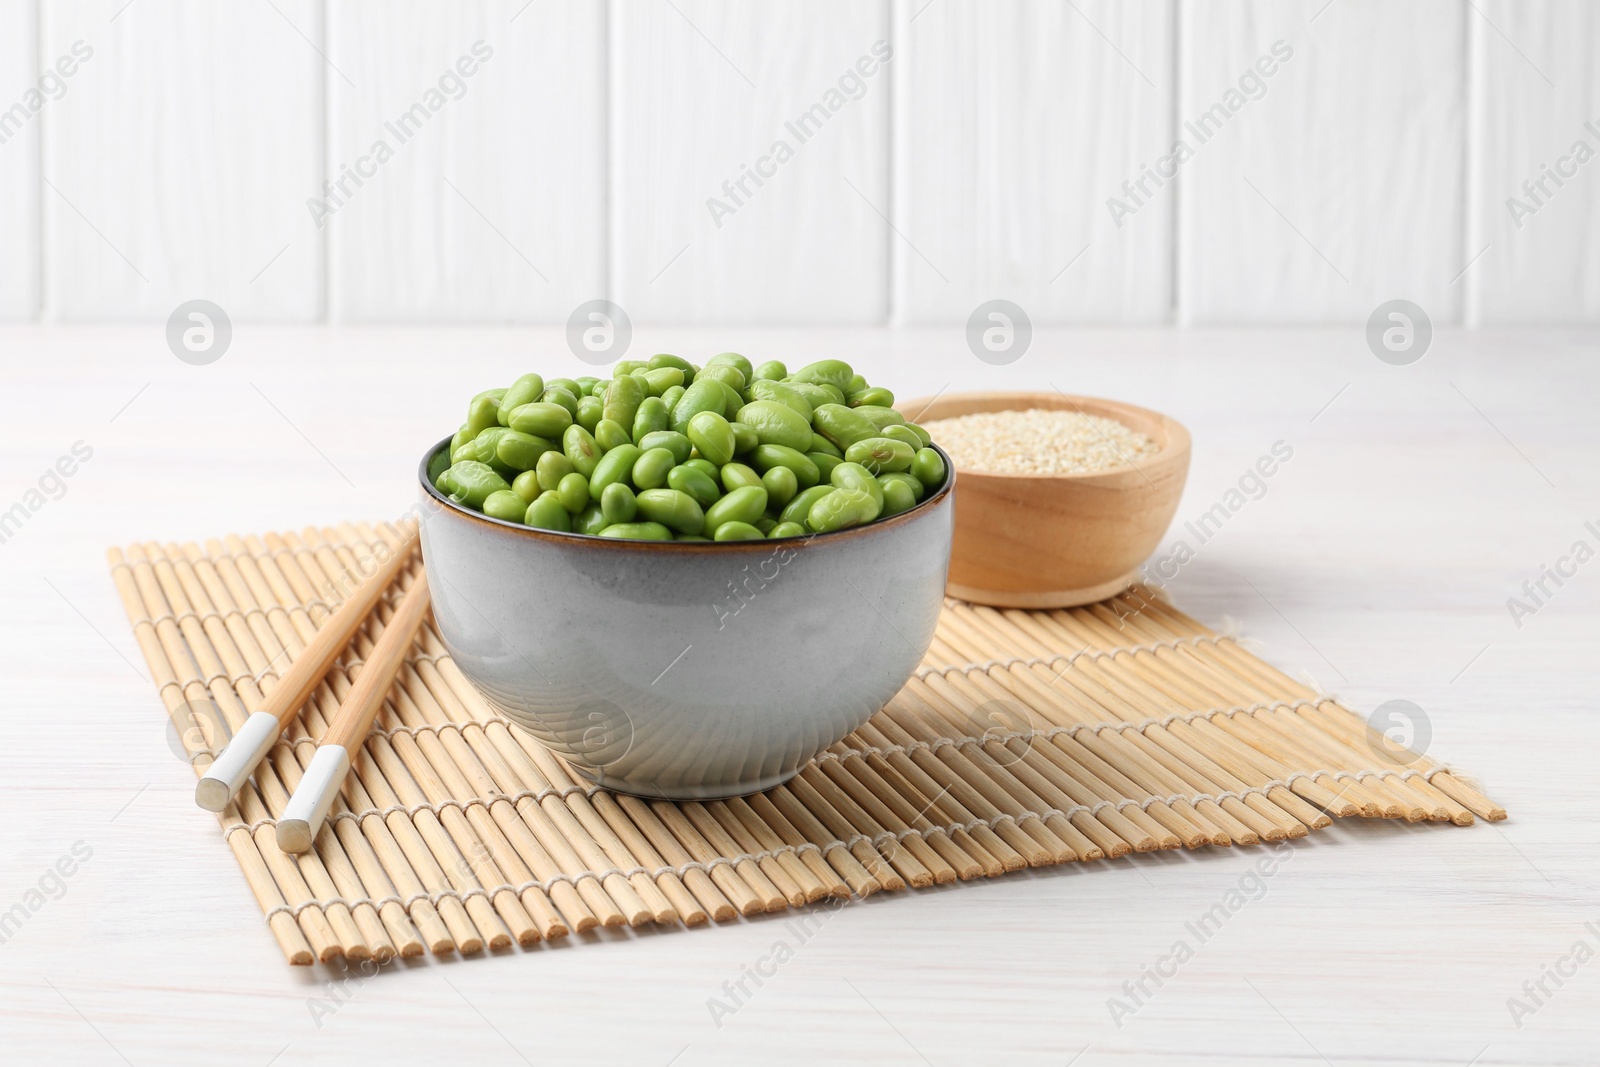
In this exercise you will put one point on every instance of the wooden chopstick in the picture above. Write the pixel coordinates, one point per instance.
(303, 816)
(236, 762)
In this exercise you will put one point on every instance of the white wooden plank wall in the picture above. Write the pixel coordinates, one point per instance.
(587, 157)
(176, 165)
(707, 91)
(493, 205)
(19, 160)
(1015, 121)
(1537, 95)
(1332, 184)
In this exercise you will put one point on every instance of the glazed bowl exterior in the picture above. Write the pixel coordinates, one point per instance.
(686, 670)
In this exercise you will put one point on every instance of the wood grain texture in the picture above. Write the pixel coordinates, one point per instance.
(1340, 185)
(19, 159)
(1535, 96)
(492, 207)
(178, 163)
(703, 90)
(1063, 540)
(1389, 544)
(1014, 122)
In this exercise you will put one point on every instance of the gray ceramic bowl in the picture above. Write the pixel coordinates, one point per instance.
(686, 670)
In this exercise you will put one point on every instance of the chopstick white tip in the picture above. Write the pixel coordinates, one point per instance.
(232, 767)
(302, 817)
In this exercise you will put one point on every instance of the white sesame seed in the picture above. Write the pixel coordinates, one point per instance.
(1039, 441)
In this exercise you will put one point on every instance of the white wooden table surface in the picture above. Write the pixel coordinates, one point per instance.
(1418, 500)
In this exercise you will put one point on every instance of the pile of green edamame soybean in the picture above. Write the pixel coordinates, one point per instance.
(667, 450)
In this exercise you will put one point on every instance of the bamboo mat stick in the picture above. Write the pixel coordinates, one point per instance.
(1131, 677)
(1036, 686)
(1199, 774)
(978, 839)
(1402, 798)
(368, 871)
(466, 861)
(285, 930)
(1226, 769)
(258, 599)
(302, 818)
(186, 593)
(1277, 731)
(429, 850)
(1100, 782)
(224, 777)
(1340, 718)
(331, 931)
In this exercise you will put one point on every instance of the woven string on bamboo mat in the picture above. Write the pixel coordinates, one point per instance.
(1025, 739)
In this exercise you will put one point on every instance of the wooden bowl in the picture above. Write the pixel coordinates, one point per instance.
(1059, 540)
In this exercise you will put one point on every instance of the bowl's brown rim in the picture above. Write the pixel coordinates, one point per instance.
(557, 537)
(1168, 454)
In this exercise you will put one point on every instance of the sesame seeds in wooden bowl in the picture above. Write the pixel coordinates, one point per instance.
(1058, 499)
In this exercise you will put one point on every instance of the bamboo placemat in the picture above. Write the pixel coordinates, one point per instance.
(1026, 738)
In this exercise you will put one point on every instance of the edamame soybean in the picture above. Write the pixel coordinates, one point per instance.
(744, 504)
(841, 510)
(651, 468)
(547, 513)
(711, 434)
(652, 416)
(735, 475)
(769, 456)
(737, 531)
(672, 509)
(474, 481)
(623, 397)
(849, 475)
(671, 440)
(695, 482)
(608, 434)
(618, 504)
(668, 450)
(897, 496)
(505, 504)
(578, 445)
(590, 412)
(526, 484)
(525, 390)
(573, 492)
(880, 455)
(927, 466)
(798, 508)
(614, 466)
(638, 531)
(781, 485)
